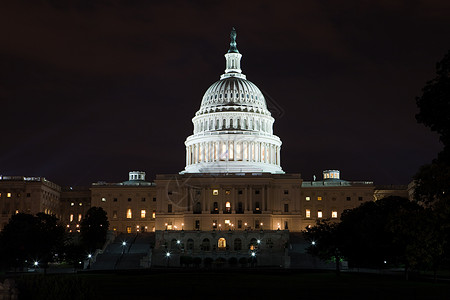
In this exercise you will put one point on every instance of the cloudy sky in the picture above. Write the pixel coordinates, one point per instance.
(90, 90)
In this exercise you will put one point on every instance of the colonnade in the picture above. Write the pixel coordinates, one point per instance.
(233, 123)
(233, 151)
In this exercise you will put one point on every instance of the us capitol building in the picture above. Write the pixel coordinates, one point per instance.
(232, 196)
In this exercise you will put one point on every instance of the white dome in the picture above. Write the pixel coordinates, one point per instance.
(233, 94)
(233, 129)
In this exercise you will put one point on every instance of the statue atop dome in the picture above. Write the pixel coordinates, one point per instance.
(233, 46)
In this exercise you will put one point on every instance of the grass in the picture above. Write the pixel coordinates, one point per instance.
(230, 284)
(263, 285)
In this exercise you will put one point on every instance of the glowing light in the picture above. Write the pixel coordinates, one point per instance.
(167, 254)
(253, 254)
(124, 243)
(313, 243)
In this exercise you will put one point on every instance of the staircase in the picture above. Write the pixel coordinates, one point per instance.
(118, 256)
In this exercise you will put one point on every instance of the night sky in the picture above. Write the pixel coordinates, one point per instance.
(90, 90)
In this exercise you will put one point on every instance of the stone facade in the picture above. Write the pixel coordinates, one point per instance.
(222, 248)
(19, 194)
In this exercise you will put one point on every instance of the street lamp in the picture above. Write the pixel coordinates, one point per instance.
(168, 258)
(89, 257)
(124, 244)
(313, 243)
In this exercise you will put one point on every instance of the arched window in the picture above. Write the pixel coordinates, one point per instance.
(222, 243)
(190, 244)
(253, 244)
(237, 244)
(205, 245)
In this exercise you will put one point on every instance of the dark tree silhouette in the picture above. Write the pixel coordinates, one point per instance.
(31, 238)
(94, 228)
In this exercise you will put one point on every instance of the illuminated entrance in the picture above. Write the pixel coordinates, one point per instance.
(222, 244)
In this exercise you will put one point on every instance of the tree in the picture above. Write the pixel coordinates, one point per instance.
(431, 187)
(434, 104)
(31, 238)
(94, 228)
(325, 240)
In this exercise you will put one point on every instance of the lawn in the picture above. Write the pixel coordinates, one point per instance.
(252, 284)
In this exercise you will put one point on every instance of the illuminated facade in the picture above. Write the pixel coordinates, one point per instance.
(233, 129)
(19, 194)
(130, 205)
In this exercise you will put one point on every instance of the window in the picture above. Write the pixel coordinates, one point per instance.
(215, 208)
(205, 245)
(103, 199)
(334, 198)
(319, 198)
(334, 214)
(307, 198)
(349, 198)
(114, 214)
(240, 208)
(215, 192)
(154, 214)
(319, 214)
(239, 223)
(237, 244)
(169, 193)
(360, 198)
(115, 200)
(257, 209)
(308, 213)
(154, 199)
(169, 208)
(71, 218)
(8, 195)
(190, 244)
(143, 199)
(256, 192)
(128, 229)
(143, 212)
(286, 192)
(222, 243)
(227, 192)
(257, 223)
(286, 207)
(286, 225)
(214, 223)
(239, 192)
(72, 204)
(129, 199)
(129, 214)
(79, 217)
(228, 207)
(28, 195)
(197, 224)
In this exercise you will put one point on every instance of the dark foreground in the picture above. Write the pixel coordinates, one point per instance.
(252, 284)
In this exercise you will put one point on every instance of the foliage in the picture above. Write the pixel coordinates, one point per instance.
(74, 254)
(31, 238)
(431, 183)
(323, 239)
(94, 228)
(434, 104)
(389, 232)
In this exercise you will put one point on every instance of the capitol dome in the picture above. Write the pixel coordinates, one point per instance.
(233, 129)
